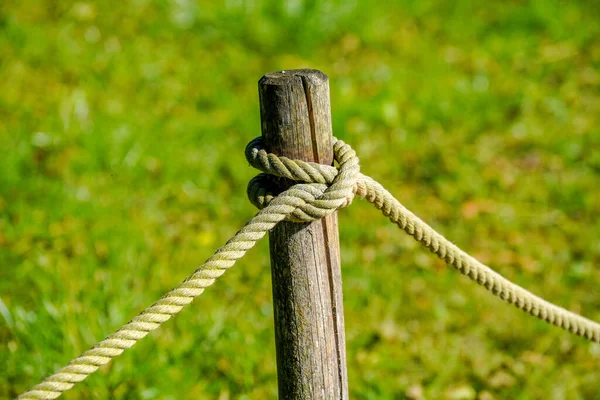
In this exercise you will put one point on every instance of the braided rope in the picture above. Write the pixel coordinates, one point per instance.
(169, 305)
(326, 189)
(469, 266)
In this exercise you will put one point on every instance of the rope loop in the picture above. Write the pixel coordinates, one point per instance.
(332, 187)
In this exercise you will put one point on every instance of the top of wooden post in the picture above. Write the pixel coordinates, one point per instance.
(293, 75)
(296, 114)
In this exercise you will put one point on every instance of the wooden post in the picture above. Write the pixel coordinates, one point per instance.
(305, 258)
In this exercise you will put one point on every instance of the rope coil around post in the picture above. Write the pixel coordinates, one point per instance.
(335, 185)
(322, 189)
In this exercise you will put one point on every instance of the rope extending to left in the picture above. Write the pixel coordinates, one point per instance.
(325, 189)
(296, 203)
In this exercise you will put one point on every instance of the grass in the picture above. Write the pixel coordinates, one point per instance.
(122, 129)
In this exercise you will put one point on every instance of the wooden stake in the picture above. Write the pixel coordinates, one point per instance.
(305, 258)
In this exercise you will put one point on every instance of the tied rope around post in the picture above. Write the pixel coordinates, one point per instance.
(325, 189)
(383, 200)
(297, 203)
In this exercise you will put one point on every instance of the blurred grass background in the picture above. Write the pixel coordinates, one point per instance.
(122, 129)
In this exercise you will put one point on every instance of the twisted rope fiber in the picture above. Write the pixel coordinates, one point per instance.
(325, 190)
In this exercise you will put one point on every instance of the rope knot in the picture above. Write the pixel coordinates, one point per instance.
(316, 190)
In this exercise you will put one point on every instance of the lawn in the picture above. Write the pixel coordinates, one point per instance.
(122, 131)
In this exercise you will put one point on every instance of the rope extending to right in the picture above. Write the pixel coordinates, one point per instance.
(325, 189)
(383, 200)
(471, 267)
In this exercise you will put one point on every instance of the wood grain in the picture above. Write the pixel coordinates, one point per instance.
(305, 258)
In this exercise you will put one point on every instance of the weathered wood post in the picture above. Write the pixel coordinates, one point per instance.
(305, 258)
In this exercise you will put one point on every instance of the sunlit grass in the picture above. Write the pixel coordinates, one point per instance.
(122, 129)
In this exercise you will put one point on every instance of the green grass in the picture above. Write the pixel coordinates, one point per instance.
(122, 129)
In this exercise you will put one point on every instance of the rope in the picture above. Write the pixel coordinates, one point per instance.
(325, 189)
(373, 192)
(308, 201)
